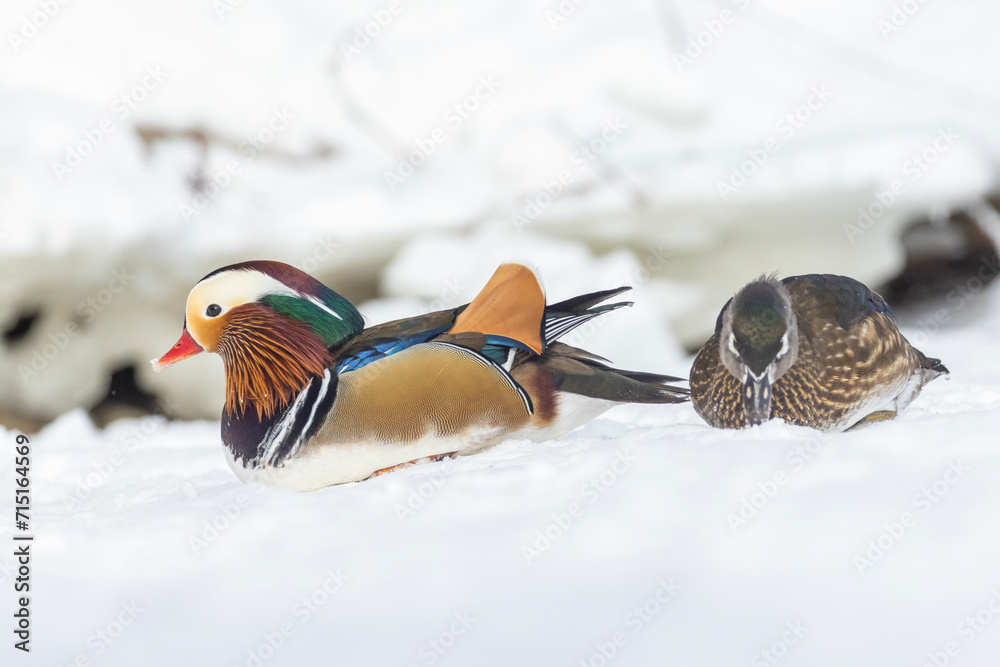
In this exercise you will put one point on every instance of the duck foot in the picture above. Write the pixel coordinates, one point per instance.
(425, 459)
(879, 416)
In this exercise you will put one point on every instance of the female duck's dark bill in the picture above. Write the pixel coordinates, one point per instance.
(184, 348)
(757, 398)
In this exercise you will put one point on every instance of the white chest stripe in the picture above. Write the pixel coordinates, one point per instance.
(327, 376)
(277, 433)
(281, 431)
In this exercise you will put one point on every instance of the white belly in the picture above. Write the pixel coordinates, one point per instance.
(320, 465)
(892, 397)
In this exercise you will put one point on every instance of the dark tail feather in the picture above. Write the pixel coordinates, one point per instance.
(563, 317)
(578, 372)
(639, 376)
(636, 387)
(933, 365)
(585, 301)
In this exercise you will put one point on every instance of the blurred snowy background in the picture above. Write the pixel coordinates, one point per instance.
(399, 150)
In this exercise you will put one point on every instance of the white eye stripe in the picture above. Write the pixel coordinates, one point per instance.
(732, 344)
(311, 299)
(322, 305)
(784, 345)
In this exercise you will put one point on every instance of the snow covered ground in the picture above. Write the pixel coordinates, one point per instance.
(646, 534)
(645, 537)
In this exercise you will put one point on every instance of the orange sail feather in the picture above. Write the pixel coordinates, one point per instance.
(512, 305)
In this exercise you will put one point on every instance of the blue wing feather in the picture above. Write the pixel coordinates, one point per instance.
(497, 348)
(559, 319)
(382, 348)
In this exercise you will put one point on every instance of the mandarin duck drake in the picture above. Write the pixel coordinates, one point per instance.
(815, 350)
(314, 399)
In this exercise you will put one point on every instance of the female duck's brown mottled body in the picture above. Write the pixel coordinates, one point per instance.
(850, 363)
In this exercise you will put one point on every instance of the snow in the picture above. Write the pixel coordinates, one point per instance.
(145, 537)
(639, 504)
(661, 135)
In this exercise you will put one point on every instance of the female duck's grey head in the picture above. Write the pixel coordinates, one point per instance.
(759, 342)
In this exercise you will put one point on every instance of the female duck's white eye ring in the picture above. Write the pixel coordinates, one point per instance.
(784, 346)
(732, 344)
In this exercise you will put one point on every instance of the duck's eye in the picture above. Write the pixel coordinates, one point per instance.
(213, 310)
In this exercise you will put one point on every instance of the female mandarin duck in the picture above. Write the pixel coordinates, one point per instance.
(314, 399)
(815, 350)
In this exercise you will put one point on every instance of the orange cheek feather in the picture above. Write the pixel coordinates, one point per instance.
(184, 348)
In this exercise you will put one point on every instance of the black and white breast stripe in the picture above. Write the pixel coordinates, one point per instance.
(299, 422)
